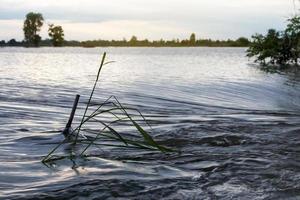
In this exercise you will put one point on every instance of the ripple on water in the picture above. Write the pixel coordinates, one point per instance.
(236, 126)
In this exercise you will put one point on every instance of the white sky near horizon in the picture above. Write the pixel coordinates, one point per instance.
(152, 19)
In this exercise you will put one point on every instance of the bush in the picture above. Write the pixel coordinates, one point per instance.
(277, 47)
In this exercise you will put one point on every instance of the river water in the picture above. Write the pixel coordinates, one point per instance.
(237, 127)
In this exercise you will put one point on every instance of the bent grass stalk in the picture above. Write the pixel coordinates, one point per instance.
(118, 114)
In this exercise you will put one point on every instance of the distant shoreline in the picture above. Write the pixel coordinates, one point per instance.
(134, 42)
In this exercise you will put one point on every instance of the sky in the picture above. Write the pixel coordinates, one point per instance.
(152, 19)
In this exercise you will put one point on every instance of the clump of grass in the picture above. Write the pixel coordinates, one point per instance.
(98, 127)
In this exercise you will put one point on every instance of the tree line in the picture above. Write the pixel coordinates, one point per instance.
(241, 42)
(34, 22)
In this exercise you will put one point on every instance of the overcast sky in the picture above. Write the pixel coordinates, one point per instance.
(152, 19)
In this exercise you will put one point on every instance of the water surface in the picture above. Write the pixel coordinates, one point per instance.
(236, 126)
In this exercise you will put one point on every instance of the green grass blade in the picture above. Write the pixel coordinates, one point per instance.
(145, 135)
(91, 95)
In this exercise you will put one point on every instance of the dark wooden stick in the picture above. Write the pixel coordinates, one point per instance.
(73, 112)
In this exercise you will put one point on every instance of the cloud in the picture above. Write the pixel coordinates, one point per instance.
(117, 29)
(11, 29)
(154, 19)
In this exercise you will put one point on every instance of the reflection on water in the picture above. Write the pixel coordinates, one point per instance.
(237, 126)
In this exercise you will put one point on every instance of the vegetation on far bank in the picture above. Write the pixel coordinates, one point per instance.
(34, 21)
(241, 42)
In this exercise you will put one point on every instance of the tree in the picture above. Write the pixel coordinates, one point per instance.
(193, 38)
(56, 33)
(2, 43)
(266, 48)
(242, 41)
(133, 40)
(279, 48)
(12, 43)
(293, 33)
(32, 25)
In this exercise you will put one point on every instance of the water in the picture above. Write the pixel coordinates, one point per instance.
(236, 126)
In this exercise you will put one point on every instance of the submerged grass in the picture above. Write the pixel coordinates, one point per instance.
(103, 120)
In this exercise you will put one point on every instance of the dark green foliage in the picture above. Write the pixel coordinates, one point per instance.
(277, 47)
(56, 33)
(143, 43)
(193, 39)
(32, 25)
(242, 42)
(14, 43)
(11, 43)
(2, 43)
(292, 32)
(135, 42)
